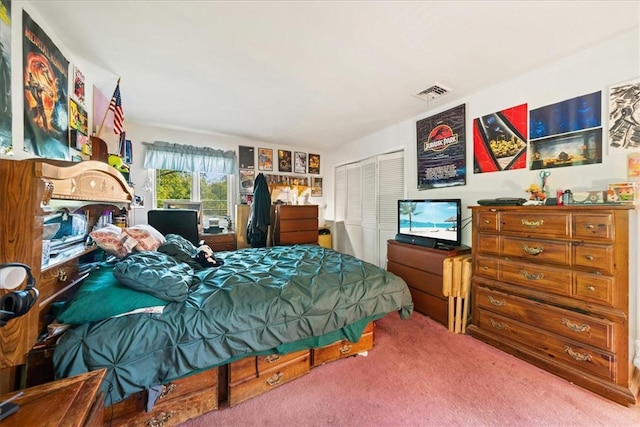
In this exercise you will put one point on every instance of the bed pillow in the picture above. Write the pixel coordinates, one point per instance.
(101, 296)
(181, 249)
(148, 238)
(156, 273)
(114, 241)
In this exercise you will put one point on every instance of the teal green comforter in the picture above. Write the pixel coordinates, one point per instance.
(260, 301)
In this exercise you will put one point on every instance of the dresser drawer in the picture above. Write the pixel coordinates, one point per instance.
(555, 348)
(488, 221)
(299, 225)
(539, 277)
(593, 226)
(593, 331)
(288, 212)
(254, 366)
(488, 244)
(418, 279)
(298, 237)
(344, 348)
(486, 267)
(269, 379)
(594, 287)
(540, 251)
(539, 224)
(55, 278)
(594, 257)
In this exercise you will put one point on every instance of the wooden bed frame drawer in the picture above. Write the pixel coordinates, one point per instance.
(53, 279)
(202, 387)
(282, 373)
(343, 348)
(253, 367)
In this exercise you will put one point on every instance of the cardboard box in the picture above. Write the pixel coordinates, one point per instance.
(624, 192)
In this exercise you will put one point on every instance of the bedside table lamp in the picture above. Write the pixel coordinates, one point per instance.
(16, 303)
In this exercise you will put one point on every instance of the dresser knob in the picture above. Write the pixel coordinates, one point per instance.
(345, 349)
(589, 257)
(591, 288)
(272, 358)
(274, 379)
(62, 275)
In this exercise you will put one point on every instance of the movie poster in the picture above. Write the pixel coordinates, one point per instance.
(624, 117)
(499, 140)
(442, 149)
(46, 118)
(6, 137)
(567, 133)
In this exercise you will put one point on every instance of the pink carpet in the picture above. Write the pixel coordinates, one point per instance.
(419, 374)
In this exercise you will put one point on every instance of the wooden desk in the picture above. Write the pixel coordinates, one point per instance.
(74, 401)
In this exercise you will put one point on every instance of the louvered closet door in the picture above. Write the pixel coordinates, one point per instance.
(353, 219)
(340, 203)
(369, 190)
(391, 188)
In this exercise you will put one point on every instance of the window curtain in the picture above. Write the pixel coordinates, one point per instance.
(165, 155)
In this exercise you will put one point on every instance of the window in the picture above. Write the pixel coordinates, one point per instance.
(212, 189)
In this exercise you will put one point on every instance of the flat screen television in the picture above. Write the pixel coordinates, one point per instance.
(430, 222)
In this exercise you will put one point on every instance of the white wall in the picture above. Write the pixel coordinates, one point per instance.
(594, 69)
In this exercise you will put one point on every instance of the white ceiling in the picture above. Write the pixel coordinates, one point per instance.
(317, 74)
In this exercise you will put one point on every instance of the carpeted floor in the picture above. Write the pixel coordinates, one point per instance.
(419, 374)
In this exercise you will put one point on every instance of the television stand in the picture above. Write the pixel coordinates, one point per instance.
(421, 268)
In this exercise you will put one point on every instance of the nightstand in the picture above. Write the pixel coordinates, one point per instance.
(220, 241)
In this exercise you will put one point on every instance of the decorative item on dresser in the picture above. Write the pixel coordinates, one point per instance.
(422, 268)
(551, 285)
(295, 224)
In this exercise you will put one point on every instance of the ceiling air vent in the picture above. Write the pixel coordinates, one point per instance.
(434, 92)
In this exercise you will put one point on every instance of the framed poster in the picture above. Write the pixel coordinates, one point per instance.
(300, 162)
(246, 181)
(624, 117)
(314, 164)
(442, 149)
(265, 159)
(284, 161)
(316, 186)
(245, 156)
(78, 85)
(6, 118)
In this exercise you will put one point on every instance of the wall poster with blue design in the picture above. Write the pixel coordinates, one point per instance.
(568, 133)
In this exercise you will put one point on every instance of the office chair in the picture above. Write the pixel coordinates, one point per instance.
(183, 222)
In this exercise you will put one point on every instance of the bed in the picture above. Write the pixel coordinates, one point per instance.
(262, 301)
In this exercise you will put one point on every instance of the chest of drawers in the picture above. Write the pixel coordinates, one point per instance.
(295, 224)
(551, 285)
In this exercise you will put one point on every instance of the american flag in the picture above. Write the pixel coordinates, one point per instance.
(118, 114)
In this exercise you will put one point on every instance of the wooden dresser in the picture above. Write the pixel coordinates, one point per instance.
(295, 224)
(551, 285)
(421, 268)
(220, 242)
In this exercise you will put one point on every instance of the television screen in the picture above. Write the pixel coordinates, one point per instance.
(436, 219)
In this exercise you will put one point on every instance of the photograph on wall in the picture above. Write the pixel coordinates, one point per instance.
(245, 156)
(314, 164)
(284, 161)
(6, 114)
(624, 117)
(568, 133)
(78, 85)
(45, 80)
(500, 140)
(265, 159)
(442, 149)
(300, 162)
(246, 181)
(316, 186)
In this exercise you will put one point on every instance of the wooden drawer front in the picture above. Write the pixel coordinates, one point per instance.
(297, 212)
(55, 278)
(540, 224)
(542, 251)
(434, 307)
(594, 287)
(282, 374)
(555, 280)
(252, 367)
(589, 330)
(488, 244)
(488, 221)
(417, 257)
(593, 227)
(272, 361)
(204, 382)
(556, 348)
(418, 279)
(595, 257)
(344, 348)
(299, 225)
(296, 237)
(486, 267)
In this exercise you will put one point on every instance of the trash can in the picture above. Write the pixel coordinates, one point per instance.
(324, 238)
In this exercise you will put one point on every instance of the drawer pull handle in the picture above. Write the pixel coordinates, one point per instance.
(529, 223)
(531, 276)
(274, 379)
(581, 357)
(591, 288)
(62, 275)
(590, 226)
(589, 257)
(496, 302)
(159, 420)
(533, 251)
(166, 390)
(574, 326)
(272, 358)
(486, 221)
(345, 348)
(497, 325)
